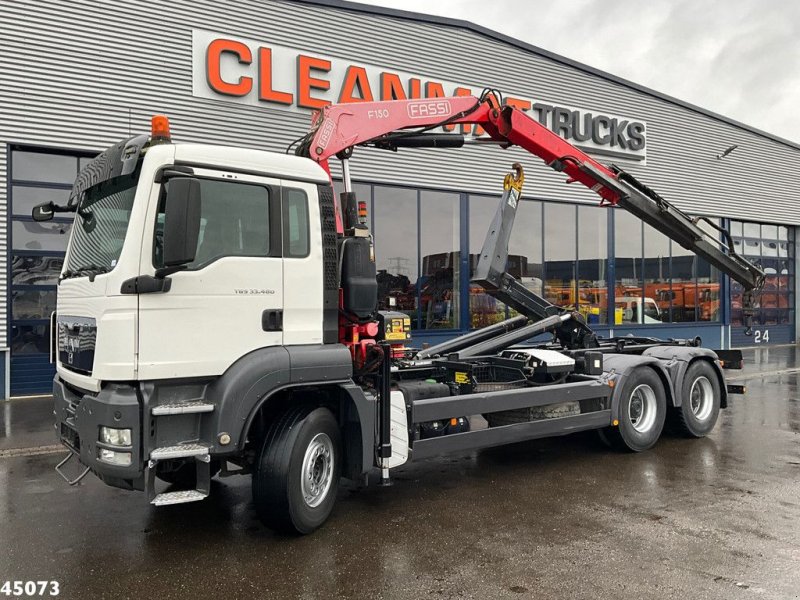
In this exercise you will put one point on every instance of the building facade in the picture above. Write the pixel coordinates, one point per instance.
(77, 77)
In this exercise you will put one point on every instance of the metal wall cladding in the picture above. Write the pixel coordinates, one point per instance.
(84, 74)
(4, 210)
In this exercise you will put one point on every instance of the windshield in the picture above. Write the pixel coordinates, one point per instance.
(101, 222)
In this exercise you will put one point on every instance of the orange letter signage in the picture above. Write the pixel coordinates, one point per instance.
(213, 58)
(305, 82)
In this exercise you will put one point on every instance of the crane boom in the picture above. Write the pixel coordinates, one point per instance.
(392, 124)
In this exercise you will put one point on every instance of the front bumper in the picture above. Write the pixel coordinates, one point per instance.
(80, 415)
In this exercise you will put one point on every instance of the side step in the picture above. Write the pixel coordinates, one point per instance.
(179, 451)
(178, 497)
(182, 408)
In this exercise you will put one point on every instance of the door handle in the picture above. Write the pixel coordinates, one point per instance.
(272, 320)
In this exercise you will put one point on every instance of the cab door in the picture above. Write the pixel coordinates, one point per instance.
(302, 264)
(229, 301)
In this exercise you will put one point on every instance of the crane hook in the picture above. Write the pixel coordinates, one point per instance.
(514, 180)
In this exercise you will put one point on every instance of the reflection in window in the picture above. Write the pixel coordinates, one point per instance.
(439, 242)
(234, 221)
(295, 223)
(30, 339)
(483, 309)
(707, 299)
(32, 304)
(560, 250)
(24, 198)
(36, 270)
(526, 246)
(657, 300)
(396, 257)
(29, 235)
(628, 251)
(40, 166)
(592, 264)
(770, 247)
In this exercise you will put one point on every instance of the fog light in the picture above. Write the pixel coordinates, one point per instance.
(115, 437)
(121, 459)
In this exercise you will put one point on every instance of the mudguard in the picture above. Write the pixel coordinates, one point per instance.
(676, 359)
(252, 379)
(622, 365)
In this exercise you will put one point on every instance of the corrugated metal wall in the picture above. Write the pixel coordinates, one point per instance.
(3, 247)
(85, 73)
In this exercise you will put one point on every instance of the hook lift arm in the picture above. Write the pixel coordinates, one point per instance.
(393, 124)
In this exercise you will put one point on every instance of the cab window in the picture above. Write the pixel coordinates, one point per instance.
(234, 221)
(295, 223)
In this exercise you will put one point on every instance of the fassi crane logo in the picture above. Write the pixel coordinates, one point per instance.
(426, 108)
(269, 75)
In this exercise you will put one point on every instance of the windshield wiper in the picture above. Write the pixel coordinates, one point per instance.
(90, 270)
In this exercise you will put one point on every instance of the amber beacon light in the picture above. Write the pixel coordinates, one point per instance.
(159, 130)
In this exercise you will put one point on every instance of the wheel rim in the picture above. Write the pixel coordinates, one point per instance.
(317, 475)
(701, 398)
(643, 408)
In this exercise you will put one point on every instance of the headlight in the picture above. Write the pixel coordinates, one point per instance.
(115, 437)
(121, 459)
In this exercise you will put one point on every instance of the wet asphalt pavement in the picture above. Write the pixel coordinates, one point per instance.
(560, 518)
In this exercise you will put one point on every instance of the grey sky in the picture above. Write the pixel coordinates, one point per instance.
(739, 58)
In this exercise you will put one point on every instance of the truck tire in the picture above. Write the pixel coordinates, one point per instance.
(296, 477)
(701, 393)
(642, 411)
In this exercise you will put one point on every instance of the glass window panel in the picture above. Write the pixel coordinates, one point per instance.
(752, 247)
(592, 264)
(560, 260)
(40, 166)
(35, 270)
(395, 213)
(752, 230)
(241, 231)
(32, 304)
(24, 198)
(769, 232)
(707, 298)
(628, 250)
(296, 223)
(29, 235)
(657, 300)
(769, 248)
(525, 247)
(483, 308)
(736, 228)
(30, 339)
(441, 259)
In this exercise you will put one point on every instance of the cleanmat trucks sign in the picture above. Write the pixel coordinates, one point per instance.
(269, 75)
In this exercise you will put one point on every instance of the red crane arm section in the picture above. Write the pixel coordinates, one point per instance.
(341, 126)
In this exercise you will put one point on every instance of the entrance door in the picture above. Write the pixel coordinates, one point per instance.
(228, 301)
(37, 254)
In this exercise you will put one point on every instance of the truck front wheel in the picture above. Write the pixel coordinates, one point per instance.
(642, 411)
(296, 477)
(701, 396)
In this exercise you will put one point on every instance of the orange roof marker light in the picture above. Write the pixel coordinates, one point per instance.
(159, 130)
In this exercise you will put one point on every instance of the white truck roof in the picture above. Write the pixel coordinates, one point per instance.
(273, 164)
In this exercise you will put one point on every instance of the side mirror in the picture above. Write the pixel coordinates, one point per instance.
(181, 221)
(43, 212)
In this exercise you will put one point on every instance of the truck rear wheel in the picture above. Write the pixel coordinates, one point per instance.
(699, 409)
(642, 411)
(297, 474)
